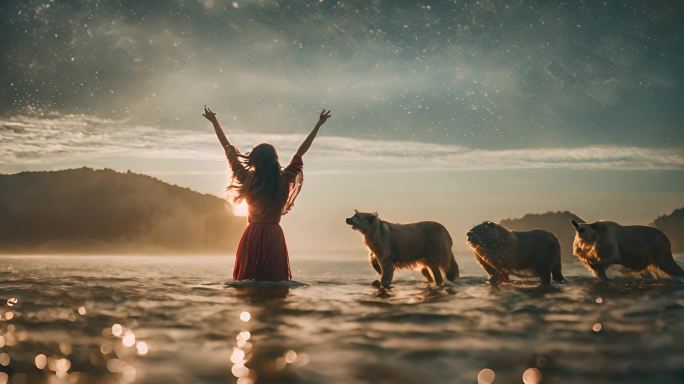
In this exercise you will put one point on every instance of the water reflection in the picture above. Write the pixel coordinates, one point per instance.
(486, 376)
(177, 321)
(260, 295)
(532, 376)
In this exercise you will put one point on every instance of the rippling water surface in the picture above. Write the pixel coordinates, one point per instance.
(177, 320)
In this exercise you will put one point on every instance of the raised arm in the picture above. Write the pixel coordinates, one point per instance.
(211, 116)
(324, 116)
(239, 170)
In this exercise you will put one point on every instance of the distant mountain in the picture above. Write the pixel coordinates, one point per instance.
(673, 226)
(557, 223)
(87, 210)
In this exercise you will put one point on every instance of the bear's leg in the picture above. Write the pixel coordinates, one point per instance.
(387, 273)
(497, 278)
(556, 273)
(486, 266)
(452, 270)
(437, 273)
(669, 266)
(545, 275)
(376, 265)
(599, 271)
(426, 274)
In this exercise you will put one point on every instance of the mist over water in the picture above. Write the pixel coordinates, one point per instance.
(179, 320)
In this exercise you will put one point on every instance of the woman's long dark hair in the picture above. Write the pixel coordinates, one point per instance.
(265, 182)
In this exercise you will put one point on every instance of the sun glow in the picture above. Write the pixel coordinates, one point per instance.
(240, 209)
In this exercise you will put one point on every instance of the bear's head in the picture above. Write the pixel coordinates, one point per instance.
(363, 222)
(489, 236)
(588, 233)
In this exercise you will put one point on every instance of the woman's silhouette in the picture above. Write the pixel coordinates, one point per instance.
(270, 192)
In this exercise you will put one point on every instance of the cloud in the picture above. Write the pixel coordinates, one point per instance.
(484, 75)
(44, 140)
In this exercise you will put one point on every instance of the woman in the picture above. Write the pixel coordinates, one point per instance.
(270, 192)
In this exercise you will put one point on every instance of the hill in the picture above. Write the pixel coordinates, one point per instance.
(557, 223)
(673, 226)
(87, 210)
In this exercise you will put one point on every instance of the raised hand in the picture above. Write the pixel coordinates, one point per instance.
(323, 117)
(209, 114)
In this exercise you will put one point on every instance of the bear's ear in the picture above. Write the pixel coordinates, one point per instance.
(375, 213)
(356, 211)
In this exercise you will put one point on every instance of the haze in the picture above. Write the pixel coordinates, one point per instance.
(456, 112)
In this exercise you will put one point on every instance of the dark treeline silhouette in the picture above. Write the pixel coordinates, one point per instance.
(557, 223)
(104, 211)
(673, 226)
(86, 210)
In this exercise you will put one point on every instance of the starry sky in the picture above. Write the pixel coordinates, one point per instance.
(456, 111)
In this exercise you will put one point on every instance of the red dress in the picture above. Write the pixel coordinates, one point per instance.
(262, 252)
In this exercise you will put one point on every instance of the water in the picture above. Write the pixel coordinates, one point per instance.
(183, 324)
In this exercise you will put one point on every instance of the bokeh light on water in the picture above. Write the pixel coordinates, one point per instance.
(153, 320)
(532, 376)
(245, 316)
(486, 376)
(41, 361)
(242, 353)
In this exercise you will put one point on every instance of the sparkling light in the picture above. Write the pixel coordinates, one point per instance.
(242, 344)
(245, 316)
(40, 361)
(243, 336)
(115, 365)
(65, 348)
(290, 356)
(117, 330)
(106, 348)
(596, 327)
(81, 311)
(12, 301)
(4, 359)
(532, 376)
(240, 209)
(486, 376)
(129, 373)
(238, 356)
(239, 370)
(128, 340)
(4, 378)
(302, 359)
(599, 300)
(142, 348)
(63, 365)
